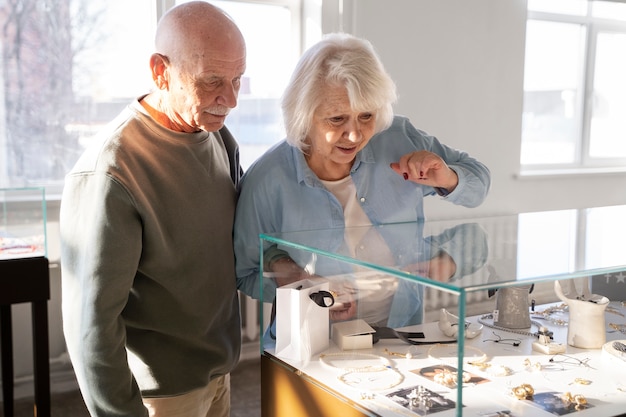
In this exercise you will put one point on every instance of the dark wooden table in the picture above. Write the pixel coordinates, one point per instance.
(26, 280)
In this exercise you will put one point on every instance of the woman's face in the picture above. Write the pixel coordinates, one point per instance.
(337, 134)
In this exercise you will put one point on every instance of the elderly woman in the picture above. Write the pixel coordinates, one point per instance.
(347, 161)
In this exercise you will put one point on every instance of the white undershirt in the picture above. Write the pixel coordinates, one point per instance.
(375, 292)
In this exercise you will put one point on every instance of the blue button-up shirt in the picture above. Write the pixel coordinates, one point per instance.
(281, 193)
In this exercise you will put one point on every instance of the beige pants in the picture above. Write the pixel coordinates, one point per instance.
(210, 401)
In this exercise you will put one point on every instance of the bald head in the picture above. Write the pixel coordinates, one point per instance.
(197, 68)
(191, 30)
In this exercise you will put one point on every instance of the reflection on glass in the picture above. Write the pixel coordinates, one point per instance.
(378, 297)
(546, 243)
(552, 94)
(608, 124)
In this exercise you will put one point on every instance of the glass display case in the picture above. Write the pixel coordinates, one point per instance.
(347, 332)
(22, 223)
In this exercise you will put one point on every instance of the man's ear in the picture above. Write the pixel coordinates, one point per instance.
(159, 67)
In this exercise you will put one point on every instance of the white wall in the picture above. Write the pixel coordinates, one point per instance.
(458, 65)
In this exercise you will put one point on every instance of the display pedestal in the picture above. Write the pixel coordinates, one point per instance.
(284, 393)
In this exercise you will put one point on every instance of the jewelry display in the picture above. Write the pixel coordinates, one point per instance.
(334, 361)
(578, 399)
(483, 320)
(619, 346)
(421, 400)
(379, 376)
(532, 366)
(569, 360)
(581, 381)
(499, 339)
(478, 355)
(449, 378)
(619, 327)
(323, 298)
(407, 355)
(547, 313)
(616, 349)
(613, 310)
(545, 344)
(495, 370)
(372, 379)
(523, 392)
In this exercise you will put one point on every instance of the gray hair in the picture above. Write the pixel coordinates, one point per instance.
(338, 59)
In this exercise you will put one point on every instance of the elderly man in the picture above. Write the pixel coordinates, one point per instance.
(150, 307)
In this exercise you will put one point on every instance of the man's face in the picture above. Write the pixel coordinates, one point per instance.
(203, 91)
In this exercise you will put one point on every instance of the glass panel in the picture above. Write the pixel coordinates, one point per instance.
(540, 256)
(66, 70)
(22, 223)
(605, 238)
(256, 122)
(608, 121)
(573, 7)
(487, 252)
(552, 73)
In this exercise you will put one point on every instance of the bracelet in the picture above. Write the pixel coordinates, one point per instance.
(479, 359)
(384, 363)
(372, 380)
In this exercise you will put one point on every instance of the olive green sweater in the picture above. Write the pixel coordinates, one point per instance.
(150, 306)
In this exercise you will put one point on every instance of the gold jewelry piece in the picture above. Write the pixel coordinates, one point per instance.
(407, 355)
(523, 392)
(547, 313)
(619, 327)
(581, 381)
(613, 310)
(448, 378)
(577, 399)
(531, 366)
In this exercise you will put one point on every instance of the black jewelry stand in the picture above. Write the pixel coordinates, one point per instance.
(26, 280)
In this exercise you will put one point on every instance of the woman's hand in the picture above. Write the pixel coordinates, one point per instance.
(286, 271)
(423, 167)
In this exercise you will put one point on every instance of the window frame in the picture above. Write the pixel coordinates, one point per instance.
(583, 162)
(159, 7)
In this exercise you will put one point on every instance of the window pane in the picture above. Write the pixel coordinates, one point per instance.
(573, 7)
(256, 122)
(608, 120)
(609, 10)
(65, 71)
(552, 94)
(601, 229)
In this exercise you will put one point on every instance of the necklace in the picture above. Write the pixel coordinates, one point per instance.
(548, 312)
(489, 316)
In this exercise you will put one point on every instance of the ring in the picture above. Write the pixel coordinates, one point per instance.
(323, 298)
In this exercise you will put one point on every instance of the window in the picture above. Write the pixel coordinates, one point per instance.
(69, 66)
(574, 88)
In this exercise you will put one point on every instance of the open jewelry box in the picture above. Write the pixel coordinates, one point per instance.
(414, 366)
